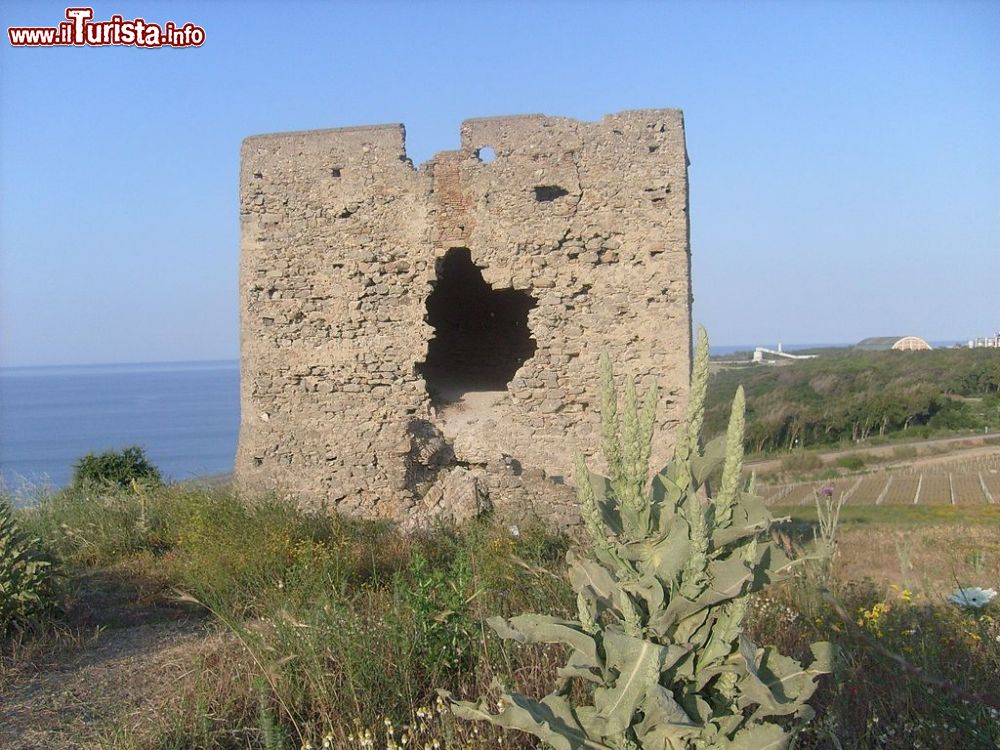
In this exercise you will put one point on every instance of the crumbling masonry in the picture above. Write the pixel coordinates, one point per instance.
(425, 341)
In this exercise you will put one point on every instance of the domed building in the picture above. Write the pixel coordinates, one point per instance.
(893, 343)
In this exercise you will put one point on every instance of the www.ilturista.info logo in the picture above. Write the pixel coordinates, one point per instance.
(79, 30)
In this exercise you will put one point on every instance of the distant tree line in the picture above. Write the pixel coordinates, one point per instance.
(850, 395)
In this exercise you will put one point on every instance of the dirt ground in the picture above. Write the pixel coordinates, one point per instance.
(935, 559)
(956, 447)
(120, 656)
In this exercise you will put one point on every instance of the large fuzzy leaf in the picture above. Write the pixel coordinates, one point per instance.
(593, 580)
(579, 666)
(545, 629)
(667, 556)
(649, 589)
(665, 724)
(686, 631)
(760, 737)
(728, 579)
(607, 502)
(786, 678)
(551, 720)
(638, 664)
(743, 527)
(772, 566)
(777, 684)
(710, 461)
(665, 492)
(725, 631)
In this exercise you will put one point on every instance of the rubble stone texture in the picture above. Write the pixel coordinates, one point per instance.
(416, 341)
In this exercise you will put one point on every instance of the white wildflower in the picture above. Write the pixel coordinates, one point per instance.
(973, 596)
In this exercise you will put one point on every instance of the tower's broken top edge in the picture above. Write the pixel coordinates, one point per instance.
(470, 121)
(322, 131)
(657, 111)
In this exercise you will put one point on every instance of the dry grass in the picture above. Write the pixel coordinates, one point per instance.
(932, 558)
(319, 629)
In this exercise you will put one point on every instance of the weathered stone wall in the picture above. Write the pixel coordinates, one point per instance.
(342, 241)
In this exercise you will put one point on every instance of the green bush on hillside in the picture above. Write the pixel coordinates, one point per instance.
(860, 396)
(119, 468)
(955, 415)
(801, 461)
(852, 461)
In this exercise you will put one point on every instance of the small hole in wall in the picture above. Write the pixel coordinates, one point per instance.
(335, 172)
(486, 154)
(547, 193)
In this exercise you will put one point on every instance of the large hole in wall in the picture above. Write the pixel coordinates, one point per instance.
(481, 334)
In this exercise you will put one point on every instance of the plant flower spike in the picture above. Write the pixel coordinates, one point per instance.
(658, 657)
(974, 597)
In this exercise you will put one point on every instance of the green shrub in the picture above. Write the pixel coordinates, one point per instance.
(801, 461)
(435, 600)
(27, 574)
(120, 468)
(955, 415)
(852, 461)
(854, 395)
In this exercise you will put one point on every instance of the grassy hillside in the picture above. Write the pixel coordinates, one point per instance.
(320, 632)
(851, 396)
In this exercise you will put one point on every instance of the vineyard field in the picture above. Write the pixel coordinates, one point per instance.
(960, 481)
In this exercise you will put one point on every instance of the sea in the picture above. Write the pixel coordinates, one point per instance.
(185, 415)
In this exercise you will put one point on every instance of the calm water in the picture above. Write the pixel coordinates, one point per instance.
(186, 415)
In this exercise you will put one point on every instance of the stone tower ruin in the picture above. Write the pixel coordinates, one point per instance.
(426, 340)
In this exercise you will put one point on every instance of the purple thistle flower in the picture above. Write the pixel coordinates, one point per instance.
(827, 490)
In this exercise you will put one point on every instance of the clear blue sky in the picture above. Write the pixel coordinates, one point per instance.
(845, 156)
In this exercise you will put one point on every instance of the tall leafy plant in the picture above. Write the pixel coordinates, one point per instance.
(657, 643)
(27, 574)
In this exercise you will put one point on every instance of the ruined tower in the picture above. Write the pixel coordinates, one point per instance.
(410, 334)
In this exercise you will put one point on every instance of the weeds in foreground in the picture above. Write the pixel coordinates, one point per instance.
(876, 702)
(828, 507)
(355, 624)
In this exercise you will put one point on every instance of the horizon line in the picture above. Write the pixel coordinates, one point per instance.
(227, 360)
(236, 360)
